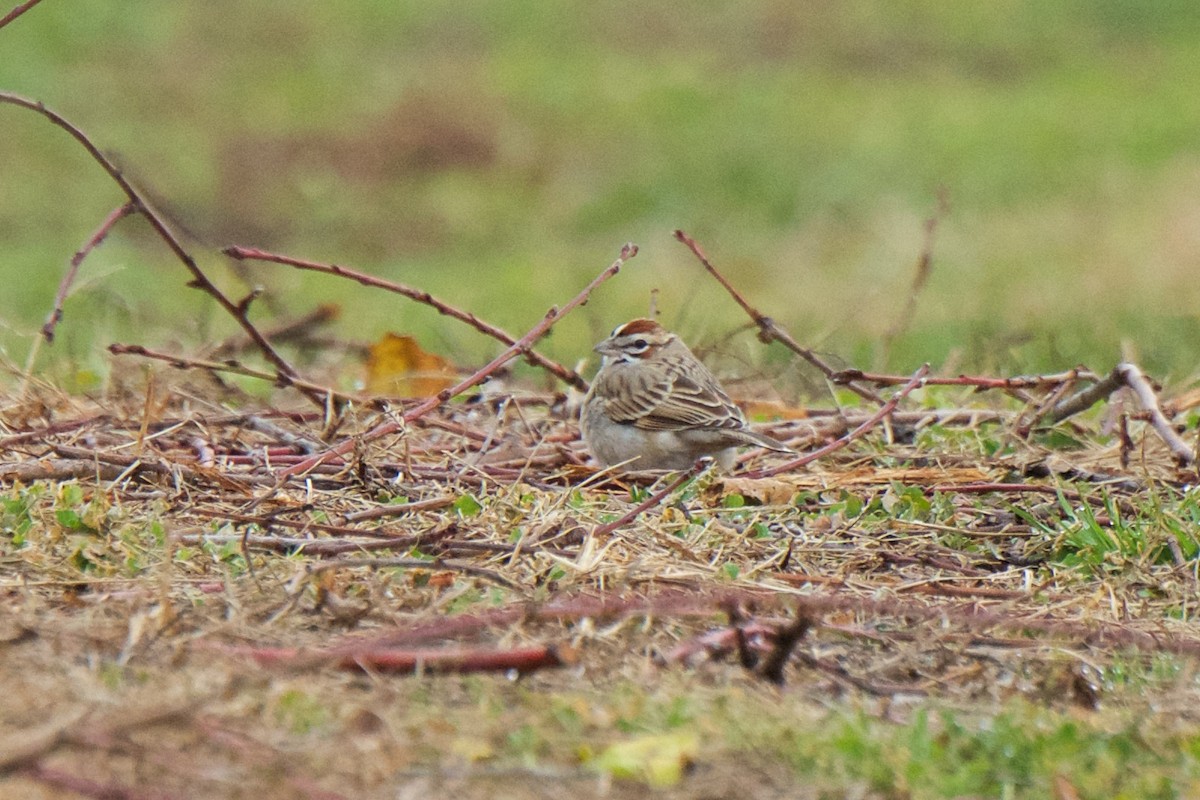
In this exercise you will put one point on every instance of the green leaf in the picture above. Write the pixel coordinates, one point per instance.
(467, 506)
(69, 518)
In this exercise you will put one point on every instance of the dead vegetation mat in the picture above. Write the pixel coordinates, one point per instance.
(178, 620)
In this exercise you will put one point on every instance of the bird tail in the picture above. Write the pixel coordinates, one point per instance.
(762, 440)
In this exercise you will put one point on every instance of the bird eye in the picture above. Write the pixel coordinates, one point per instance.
(640, 344)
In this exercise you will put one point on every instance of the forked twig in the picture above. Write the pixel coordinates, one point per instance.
(56, 313)
(567, 376)
(1127, 374)
(238, 310)
(1136, 380)
(1086, 398)
(518, 347)
(769, 330)
(888, 407)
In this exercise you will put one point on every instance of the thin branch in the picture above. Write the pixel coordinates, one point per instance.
(1127, 374)
(517, 348)
(978, 381)
(18, 11)
(86, 787)
(56, 314)
(232, 367)
(567, 376)
(1086, 398)
(652, 500)
(416, 563)
(768, 330)
(199, 279)
(916, 380)
(428, 659)
(924, 269)
(299, 330)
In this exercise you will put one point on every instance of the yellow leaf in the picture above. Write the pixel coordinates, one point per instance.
(658, 759)
(471, 749)
(398, 367)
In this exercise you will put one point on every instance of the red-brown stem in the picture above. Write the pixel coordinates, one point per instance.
(916, 380)
(48, 431)
(18, 11)
(980, 382)
(238, 310)
(184, 362)
(518, 347)
(86, 787)
(429, 659)
(768, 329)
(567, 376)
(56, 313)
(651, 501)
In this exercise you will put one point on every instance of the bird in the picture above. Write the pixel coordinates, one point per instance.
(654, 404)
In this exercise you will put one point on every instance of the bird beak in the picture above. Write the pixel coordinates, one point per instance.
(605, 348)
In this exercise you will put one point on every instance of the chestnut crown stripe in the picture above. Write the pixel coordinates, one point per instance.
(637, 326)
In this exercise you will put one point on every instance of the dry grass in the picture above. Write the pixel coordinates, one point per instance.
(176, 624)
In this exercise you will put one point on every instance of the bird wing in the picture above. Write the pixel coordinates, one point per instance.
(674, 401)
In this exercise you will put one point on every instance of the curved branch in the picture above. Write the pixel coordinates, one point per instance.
(199, 279)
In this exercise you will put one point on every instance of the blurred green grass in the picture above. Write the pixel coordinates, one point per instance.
(499, 153)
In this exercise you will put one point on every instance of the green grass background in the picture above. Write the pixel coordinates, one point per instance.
(498, 153)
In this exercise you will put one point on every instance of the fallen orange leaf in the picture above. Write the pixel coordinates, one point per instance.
(398, 367)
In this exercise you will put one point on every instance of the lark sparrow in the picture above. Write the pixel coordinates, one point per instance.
(653, 401)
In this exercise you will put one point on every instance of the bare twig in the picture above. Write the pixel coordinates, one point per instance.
(652, 500)
(518, 347)
(429, 659)
(920, 278)
(567, 376)
(230, 366)
(416, 563)
(978, 381)
(396, 509)
(890, 406)
(769, 330)
(1086, 398)
(1127, 374)
(18, 11)
(299, 329)
(1136, 380)
(57, 469)
(79, 785)
(238, 310)
(91, 244)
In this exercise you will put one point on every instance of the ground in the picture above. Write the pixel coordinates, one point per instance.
(943, 607)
